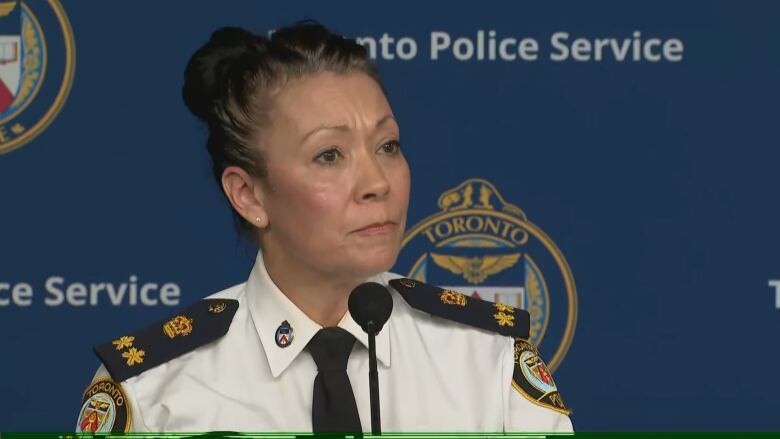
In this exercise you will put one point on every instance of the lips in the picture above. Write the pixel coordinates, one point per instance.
(377, 228)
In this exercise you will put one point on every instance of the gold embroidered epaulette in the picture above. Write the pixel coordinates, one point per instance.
(448, 304)
(195, 326)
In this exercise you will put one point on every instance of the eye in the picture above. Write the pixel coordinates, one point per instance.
(329, 156)
(392, 147)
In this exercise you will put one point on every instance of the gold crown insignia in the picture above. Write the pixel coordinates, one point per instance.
(179, 325)
(453, 298)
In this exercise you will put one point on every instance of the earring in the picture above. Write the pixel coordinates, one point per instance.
(258, 219)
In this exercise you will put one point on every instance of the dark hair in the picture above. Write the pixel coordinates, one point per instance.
(229, 83)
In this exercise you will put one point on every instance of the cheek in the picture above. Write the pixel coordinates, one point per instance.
(299, 200)
(401, 179)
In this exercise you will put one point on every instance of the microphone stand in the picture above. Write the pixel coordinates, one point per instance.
(373, 380)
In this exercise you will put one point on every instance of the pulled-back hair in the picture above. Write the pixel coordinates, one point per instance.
(229, 84)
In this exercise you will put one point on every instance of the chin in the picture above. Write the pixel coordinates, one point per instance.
(372, 264)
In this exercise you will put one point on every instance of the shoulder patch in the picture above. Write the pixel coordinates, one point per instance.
(533, 380)
(200, 323)
(104, 408)
(448, 304)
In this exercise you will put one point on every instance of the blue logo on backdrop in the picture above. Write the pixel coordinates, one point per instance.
(37, 59)
(484, 247)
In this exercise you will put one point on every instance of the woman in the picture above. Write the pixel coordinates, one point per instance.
(306, 148)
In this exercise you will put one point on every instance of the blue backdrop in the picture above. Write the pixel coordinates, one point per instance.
(655, 177)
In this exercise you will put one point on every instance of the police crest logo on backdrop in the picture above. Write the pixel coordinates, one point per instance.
(37, 61)
(484, 247)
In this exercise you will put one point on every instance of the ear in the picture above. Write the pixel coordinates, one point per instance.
(245, 195)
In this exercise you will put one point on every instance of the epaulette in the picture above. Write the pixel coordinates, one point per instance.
(196, 325)
(448, 304)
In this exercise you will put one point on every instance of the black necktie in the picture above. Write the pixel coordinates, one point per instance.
(333, 407)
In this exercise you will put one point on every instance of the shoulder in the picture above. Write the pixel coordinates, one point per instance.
(448, 304)
(531, 380)
(201, 323)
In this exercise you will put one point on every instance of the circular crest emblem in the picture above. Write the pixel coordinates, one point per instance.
(535, 372)
(104, 409)
(37, 60)
(483, 247)
(532, 379)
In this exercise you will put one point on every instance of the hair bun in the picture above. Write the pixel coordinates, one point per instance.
(208, 73)
(232, 36)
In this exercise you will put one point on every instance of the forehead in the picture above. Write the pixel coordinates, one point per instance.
(328, 98)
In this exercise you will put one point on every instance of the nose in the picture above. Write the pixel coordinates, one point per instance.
(372, 184)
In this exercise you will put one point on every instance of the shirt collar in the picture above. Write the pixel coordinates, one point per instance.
(269, 307)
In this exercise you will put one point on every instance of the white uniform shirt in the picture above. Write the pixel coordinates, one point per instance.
(434, 374)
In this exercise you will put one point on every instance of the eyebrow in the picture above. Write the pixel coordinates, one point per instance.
(343, 128)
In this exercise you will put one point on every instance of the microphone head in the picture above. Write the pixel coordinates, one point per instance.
(370, 305)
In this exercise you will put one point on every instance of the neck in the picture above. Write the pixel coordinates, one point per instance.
(323, 297)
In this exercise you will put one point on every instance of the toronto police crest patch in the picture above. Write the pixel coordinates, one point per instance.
(104, 408)
(37, 61)
(533, 380)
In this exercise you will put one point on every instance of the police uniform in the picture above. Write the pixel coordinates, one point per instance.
(236, 361)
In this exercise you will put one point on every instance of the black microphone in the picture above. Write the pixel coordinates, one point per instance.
(370, 305)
